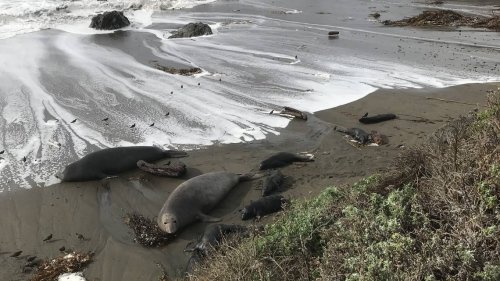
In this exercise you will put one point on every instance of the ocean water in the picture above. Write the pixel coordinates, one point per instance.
(261, 56)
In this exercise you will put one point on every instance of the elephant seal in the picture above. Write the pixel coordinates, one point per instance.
(272, 183)
(112, 161)
(211, 238)
(191, 200)
(357, 134)
(376, 118)
(263, 206)
(214, 234)
(282, 159)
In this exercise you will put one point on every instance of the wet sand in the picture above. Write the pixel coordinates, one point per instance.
(96, 209)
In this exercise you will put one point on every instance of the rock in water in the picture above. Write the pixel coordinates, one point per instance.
(192, 30)
(109, 21)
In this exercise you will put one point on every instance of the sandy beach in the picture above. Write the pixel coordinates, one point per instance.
(96, 209)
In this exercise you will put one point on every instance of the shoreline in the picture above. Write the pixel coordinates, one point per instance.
(96, 209)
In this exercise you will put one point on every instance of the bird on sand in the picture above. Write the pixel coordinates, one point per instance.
(366, 115)
(16, 254)
(105, 119)
(167, 114)
(1, 152)
(151, 125)
(48, 237)
(74, 120)
(132, 126)
(24, 159)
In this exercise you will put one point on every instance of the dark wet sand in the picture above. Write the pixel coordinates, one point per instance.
(96, 209)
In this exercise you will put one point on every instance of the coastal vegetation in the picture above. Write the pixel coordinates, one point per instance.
(434, 216)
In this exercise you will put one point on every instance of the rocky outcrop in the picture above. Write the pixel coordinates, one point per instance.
(109, 21)
(192, 30)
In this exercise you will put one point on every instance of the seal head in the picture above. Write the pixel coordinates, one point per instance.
(168, 223)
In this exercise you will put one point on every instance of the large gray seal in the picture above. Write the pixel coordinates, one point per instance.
(193, 199)
(112, 161)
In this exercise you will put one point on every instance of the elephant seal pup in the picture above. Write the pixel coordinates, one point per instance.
(376, 118)
(191, 200)
(272, 183)
(214, 234)
(263, 206)
(210, 239)
(112, 161)
(282, 159)
(356, 133)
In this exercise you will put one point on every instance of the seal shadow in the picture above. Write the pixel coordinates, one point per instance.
(111, 215)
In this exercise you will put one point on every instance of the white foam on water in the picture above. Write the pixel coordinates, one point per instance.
(78, 276)
(65, 76)
(20, 16)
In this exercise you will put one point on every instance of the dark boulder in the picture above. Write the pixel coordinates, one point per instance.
(192, 30)
(109, 21)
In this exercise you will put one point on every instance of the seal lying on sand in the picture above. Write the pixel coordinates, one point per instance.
(263, 206)
(112, 161)
(272, 183)
(357, 134)
(191, 200)
(282, 159)
(376, 118)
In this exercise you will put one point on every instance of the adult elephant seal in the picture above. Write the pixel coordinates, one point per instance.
(282, 159)
(193, 199)
(112, 161)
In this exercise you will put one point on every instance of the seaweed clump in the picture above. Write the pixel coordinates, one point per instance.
(146, 231)
(447, 18)
(179, 71)
(73, 262)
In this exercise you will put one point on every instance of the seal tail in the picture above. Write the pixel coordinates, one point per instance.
(342, 130)
(252, 176)
(306, 157)
(175, 153)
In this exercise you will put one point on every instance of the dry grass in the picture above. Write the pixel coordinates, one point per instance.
(435, 217)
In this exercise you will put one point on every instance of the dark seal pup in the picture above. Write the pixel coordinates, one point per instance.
(112, 161)
(282, 159)
(376, 118)
(193, 199)
(263, 206)
(210, 239)
(214, 234)
(357, 134)
(272, 182)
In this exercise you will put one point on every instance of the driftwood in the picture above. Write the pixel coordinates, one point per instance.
(293, 112)
(174, 171)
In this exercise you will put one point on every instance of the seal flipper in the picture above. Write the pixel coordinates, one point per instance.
(207, 218)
